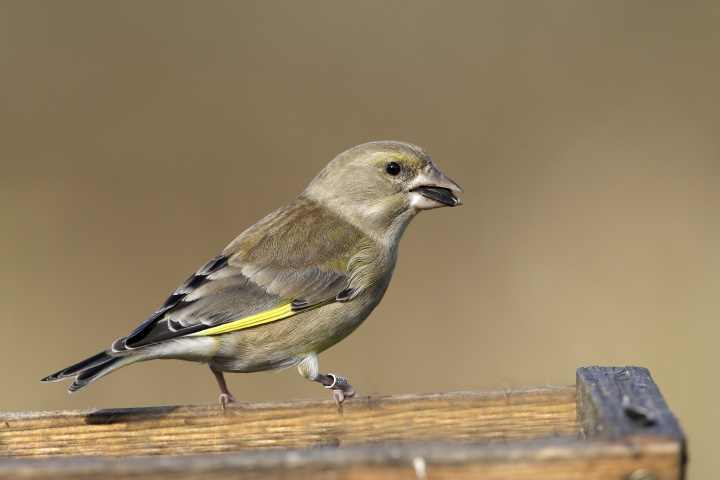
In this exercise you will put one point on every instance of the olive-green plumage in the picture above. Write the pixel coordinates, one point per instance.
(298, 281)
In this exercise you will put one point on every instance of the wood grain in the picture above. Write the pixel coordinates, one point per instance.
(555, 459)
(614, 402)
(460, 417)
(614, 424)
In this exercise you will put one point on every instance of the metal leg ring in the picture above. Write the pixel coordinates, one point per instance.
(339, 383)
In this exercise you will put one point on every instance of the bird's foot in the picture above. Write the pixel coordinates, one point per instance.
(225, 395)
(226, 398)
(341, 389)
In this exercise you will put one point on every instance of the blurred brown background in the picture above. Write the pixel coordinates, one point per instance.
(137, 139)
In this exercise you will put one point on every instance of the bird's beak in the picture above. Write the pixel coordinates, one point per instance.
(432, 189)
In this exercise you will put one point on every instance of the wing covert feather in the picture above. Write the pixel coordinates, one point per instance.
(278, 261)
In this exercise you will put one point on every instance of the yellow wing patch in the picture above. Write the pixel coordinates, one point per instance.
(283, 311)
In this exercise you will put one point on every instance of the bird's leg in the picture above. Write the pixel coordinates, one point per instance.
(225, 396)
(340, 386)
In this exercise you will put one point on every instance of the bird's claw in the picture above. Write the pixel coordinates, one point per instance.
(341, 389)
(341, 395)
(226, 398)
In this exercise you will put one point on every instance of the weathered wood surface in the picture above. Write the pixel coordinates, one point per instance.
(533, 433)
(464, 417)
(615, 402)
(550, 459)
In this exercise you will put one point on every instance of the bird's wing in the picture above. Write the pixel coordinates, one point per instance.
(274, 270)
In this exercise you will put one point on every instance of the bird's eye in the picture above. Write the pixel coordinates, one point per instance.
(392, 168)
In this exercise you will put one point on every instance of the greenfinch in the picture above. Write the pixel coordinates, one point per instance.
(297, 282)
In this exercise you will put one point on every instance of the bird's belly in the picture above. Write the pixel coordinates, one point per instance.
(284, 343)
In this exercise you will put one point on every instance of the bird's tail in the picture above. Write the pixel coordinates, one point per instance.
(92, 368)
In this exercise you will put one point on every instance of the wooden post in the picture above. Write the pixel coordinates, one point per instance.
(586, 431)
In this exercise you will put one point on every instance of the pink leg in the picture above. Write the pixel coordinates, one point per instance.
(225, 396)
(341, 388)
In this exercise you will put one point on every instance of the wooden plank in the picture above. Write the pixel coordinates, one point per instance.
(460, 417)
(615, 402)
(522, 434)
(550, 459)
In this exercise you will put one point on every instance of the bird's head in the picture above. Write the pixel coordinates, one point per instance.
(382, 185)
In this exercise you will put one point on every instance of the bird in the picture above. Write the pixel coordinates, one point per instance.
(297, 282)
